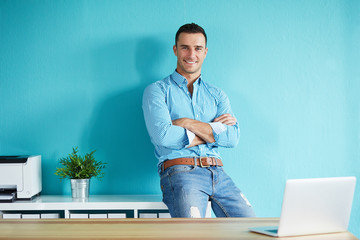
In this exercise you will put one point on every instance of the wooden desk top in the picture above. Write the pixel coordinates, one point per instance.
(211, 228)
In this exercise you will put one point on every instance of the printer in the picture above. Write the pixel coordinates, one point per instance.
(20, 177)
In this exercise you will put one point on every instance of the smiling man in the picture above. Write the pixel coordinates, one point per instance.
(188, 119)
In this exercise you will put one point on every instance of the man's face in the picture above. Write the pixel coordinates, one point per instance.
(190, 51)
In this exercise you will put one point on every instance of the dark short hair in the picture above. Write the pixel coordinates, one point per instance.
(190, 28)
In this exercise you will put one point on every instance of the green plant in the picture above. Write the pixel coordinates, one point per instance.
(80, 167)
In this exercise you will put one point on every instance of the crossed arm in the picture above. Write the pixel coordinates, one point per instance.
(203, 131)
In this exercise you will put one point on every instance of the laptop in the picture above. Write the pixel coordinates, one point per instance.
(314, 206)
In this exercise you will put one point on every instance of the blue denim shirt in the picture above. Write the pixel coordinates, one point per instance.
(170, 99)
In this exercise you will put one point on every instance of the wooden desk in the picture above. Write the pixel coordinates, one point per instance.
(216, 228)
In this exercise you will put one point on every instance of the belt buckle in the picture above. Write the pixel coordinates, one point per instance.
(201, 164)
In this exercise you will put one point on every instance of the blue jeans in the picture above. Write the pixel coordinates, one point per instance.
(187, 190)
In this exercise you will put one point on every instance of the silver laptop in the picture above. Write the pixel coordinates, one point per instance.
(314, 206)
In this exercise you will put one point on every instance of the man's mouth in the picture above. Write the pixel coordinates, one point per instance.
(190, 62)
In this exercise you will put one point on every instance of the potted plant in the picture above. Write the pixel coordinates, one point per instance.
(80, 169)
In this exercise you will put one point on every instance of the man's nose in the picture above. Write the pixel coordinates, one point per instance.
(191, 52)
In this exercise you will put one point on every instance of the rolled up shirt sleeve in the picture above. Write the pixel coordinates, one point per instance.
(217, 127)
(228, 138)
(190, 136)
(224, 135)
(158, 121)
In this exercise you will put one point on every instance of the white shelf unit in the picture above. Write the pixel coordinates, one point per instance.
(104, 206)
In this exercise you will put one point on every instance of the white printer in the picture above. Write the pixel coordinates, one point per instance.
(20, 177)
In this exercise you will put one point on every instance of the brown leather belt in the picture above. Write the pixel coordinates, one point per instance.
(201, 161)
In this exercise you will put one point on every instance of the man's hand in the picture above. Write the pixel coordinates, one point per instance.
(226, 119)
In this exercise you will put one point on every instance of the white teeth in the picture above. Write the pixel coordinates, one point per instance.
(190, 62)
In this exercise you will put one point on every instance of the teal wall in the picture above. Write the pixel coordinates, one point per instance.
(72, 73)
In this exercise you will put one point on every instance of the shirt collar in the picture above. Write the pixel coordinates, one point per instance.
(180, 80)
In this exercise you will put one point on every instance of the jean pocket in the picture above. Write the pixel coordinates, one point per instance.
(177, 169)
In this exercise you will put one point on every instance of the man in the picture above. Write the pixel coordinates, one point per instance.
(187, 120)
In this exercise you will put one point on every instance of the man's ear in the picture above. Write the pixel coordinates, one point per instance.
(175, 51)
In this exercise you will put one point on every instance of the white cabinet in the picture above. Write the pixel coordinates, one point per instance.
(97, 206)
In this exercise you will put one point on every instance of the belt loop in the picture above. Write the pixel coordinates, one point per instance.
(162, 167)
(216, 162)
(195, 163)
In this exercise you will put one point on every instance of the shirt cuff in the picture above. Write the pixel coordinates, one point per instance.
(217, 127)
(190, 136)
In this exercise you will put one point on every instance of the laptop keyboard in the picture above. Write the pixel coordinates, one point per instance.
(272, 230)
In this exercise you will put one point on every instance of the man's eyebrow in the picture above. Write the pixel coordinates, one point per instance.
(197, 46)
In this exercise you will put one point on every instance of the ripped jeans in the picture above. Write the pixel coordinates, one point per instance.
(187, 190)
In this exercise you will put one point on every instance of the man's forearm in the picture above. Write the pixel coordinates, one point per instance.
(196, 141)
(200, 129)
